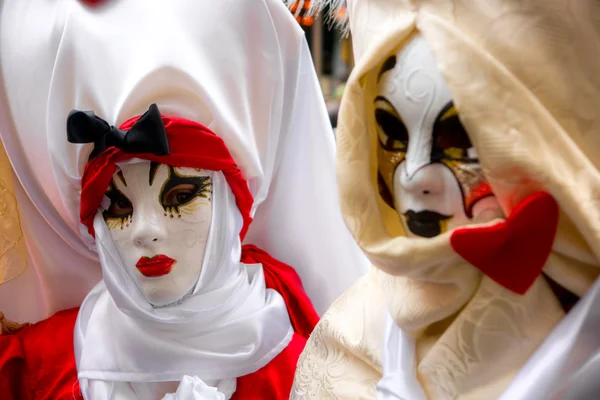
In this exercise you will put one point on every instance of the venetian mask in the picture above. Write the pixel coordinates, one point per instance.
(428, 169)
(159, 219)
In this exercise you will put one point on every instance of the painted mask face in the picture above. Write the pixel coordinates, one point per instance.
(159, 219)
(428, 169)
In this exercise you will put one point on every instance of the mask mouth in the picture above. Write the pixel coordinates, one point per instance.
(156, 266)
(425, 223)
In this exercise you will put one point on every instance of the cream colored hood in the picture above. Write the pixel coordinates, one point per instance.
(523, 75)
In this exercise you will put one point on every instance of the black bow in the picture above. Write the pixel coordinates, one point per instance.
(147, 135)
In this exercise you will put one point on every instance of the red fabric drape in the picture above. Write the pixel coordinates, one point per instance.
(37, 362)
(273, 381)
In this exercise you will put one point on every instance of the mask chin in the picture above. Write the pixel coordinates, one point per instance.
(163, 301)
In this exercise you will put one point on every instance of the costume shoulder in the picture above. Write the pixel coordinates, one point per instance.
(285, 280)
(342, 357)
(37, 362)
(274, 380)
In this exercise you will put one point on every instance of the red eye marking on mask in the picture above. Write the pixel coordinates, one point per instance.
(479, 192)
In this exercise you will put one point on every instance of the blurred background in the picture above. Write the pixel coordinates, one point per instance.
(331, 50)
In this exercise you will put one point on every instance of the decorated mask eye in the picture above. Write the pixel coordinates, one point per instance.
(120, 205)
(120, 211)
(180, 195)
(392, 132)
(179, 192)
(449, 133)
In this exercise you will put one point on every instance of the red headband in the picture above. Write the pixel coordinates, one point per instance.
(191, 145)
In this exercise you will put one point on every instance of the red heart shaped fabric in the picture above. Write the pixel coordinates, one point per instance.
(512, 252)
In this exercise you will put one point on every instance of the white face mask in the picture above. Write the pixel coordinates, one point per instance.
(428, 169)
(159, 219)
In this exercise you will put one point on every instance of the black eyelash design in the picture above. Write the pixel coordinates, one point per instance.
(116, 197)
(391, 125)
(450, 134)
(389, 64)
(202, 188)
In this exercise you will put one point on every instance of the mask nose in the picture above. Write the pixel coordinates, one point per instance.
(148, 231)
(425, 181)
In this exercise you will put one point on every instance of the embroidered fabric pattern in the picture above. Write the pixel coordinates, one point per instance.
(342, 359)
(459, 363)
(13, 256)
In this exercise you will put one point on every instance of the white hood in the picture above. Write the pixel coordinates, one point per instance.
(241, 68)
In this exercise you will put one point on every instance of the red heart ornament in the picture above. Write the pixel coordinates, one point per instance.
(512, 252)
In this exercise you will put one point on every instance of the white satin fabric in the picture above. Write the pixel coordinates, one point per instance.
(194, 389)
(229, 327)
(567, 365)
(241, 68)
(399, 381)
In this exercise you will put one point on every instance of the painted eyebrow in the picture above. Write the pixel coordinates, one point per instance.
(383, 99)
(152, 173)
(389, 64)
(447, 112)
(122, 178)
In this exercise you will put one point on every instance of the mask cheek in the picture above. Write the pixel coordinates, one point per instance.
(477, 193)
(188, 246)
(116, 224)
(194, 224)
(196, 212)
(121, 237)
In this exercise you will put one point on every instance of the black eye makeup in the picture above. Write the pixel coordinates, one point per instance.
(393, 134)
(120, 211)
(393, 143)
(450, 139)
(180, 195)
(177, 196)
(179, 192)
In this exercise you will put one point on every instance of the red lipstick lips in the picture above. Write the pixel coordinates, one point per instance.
(156, 266)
